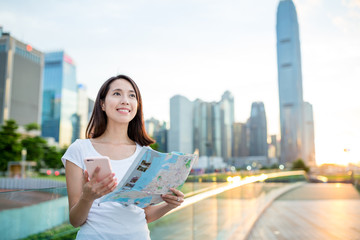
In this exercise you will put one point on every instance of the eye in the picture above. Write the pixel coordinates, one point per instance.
(132, 95)
(116, 94)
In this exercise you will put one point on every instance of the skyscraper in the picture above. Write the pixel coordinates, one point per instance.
(258, 130)
(158, 131)
(82, 110)
(203, 128)
(309, 143)
(21, 69)
(290, 82)
(59, 115)
(240, 142)
(181, 125)
(227, 113)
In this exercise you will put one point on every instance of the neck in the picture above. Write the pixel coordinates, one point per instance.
(116, 134)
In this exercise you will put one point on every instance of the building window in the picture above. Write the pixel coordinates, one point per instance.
(2, 47)
(285, 40)
(27, 55)
(286, 65)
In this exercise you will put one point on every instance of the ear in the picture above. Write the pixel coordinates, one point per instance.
(102, 105)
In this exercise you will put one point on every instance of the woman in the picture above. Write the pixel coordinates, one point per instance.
(116, 129)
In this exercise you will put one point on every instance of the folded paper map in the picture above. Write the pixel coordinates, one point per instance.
(151, 174)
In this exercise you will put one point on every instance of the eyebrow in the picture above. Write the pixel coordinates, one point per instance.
(118, 89)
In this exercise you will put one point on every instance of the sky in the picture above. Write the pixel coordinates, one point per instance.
(202, 48)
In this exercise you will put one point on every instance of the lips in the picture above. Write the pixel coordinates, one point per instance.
(123, 110)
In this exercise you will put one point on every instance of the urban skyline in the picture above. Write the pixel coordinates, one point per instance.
(227, 51)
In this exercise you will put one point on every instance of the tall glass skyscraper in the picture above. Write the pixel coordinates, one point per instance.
(227, 113)
(309, 143)
(258, 130)
(181, 125)
(59, 112)
(21, 76)
(290, 82)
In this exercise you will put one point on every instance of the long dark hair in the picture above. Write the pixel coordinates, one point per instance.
(98, 121)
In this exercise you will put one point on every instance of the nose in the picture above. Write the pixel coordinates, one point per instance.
(124, 100)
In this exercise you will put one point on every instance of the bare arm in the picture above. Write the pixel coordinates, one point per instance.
(82, 192)
(155, 212)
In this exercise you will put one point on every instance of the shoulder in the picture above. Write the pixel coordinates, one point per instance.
(75, 152)
(139, 147)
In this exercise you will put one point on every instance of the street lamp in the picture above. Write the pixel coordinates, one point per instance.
(23, 159)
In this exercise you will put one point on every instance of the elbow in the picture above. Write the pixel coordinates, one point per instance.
(148, 219)
(75, 222)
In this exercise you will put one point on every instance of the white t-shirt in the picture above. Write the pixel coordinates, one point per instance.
(109, 220)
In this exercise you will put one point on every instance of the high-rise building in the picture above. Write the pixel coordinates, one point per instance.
(21, 69)
(275, 145)
(211, 127)
(203, 128)
(91, 104)
(82, 110)
(217, 129)
(309, 139)
(227, 113)
(181, 125)
(240, 142)
(290, 82)
(59, 116)
(158, 131)
(258, 130)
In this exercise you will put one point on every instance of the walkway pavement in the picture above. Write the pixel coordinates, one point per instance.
(313, 211)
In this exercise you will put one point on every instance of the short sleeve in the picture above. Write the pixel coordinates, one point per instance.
(74, 155)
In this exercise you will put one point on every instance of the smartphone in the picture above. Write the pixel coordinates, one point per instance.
(102, 162)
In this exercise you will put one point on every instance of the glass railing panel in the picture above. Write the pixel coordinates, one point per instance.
(27, 212)
(218, 216)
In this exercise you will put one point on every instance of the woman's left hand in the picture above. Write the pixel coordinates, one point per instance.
(175, 200)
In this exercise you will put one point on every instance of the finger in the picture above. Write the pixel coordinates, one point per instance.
(177, 192)
(95, 174)
(172, 198)
(86, 176)
(110, 187)
(174, 202)
(106, 181)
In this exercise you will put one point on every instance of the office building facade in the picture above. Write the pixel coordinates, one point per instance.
(158, 131)
(227, 121)
(258, 130)
(309, 136)
(21, 70)
(290, 82)
(203, 128)
(59, 116)
(241, 140)
(181, 125)
(82, 110)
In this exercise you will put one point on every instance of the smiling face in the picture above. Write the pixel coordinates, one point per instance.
(120, 103)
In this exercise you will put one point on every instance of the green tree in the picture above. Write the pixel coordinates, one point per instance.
(300, 165)
(274, 166)
(10, 147)
(52, 157)
(155, 146)
(35, 148)
(32, 126)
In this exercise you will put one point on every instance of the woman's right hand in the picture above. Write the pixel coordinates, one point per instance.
(93, 189)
